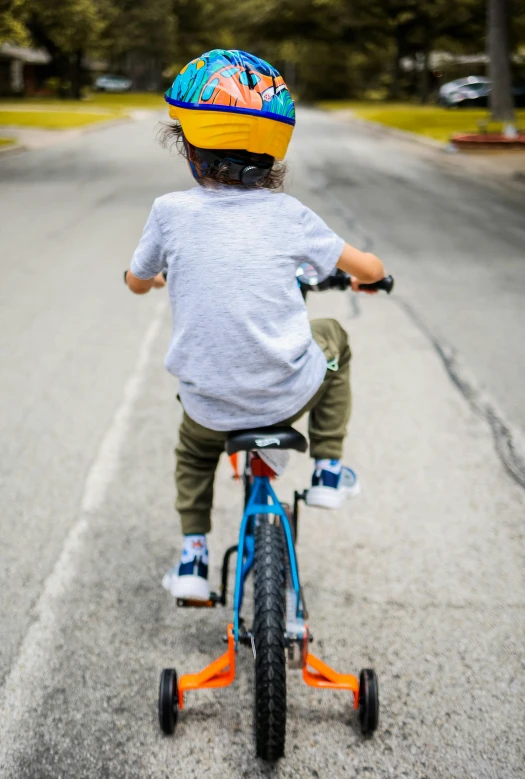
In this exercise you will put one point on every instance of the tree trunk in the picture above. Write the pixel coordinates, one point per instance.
(394, 92)
(501, 102)
(425, 82)
(423, 79)
(76, 75)
(289, 74)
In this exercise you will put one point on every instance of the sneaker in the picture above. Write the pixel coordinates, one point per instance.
(189, 579)
(332, 483)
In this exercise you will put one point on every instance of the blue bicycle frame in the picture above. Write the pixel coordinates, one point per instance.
(262, 500)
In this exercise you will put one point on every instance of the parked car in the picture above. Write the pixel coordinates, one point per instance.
(472, 88)
(473, 91)
(112, 84)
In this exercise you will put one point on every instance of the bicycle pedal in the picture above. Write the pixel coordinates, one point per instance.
(190, 603)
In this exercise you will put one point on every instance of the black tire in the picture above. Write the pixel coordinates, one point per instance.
(268, 629)
(368, 701)
(168, 701)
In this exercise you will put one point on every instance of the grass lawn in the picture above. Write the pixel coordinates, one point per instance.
(432, 121)
(55, 114)
(6, 141)
(51, 120)
(126, 101)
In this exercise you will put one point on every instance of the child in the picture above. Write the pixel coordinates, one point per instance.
(242, 347)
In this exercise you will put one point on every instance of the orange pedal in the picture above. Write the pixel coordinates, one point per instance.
(220, 673)
(324, 676)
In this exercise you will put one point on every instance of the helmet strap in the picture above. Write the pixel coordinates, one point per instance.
(246, 172)
(190, 161)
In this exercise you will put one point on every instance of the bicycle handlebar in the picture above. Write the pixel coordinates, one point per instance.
(387, 284)
(341, 280)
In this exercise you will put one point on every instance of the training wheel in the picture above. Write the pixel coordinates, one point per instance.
(168, 701)
(368, 700)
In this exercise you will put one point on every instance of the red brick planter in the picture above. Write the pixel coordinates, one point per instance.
(492, 141)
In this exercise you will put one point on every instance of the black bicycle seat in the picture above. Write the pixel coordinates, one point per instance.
(266, 438)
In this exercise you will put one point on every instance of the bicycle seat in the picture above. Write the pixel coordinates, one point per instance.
(266, 438)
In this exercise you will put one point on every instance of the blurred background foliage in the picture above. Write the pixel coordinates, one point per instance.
(326, 49)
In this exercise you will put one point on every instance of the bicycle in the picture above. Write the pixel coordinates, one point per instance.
(279, 637)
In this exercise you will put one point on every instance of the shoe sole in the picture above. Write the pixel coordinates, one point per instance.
(187, 587)
(330, 498)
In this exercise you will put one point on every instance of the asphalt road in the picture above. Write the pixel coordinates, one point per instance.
(421, 576)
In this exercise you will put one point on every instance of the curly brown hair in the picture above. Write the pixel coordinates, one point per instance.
(172, 135)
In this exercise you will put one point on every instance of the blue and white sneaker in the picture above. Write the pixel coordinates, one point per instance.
(332, 483)
(189, 579)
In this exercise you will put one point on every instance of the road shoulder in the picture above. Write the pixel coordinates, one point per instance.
(505, 168)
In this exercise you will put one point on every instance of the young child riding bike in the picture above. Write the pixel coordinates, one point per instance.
(242, 347)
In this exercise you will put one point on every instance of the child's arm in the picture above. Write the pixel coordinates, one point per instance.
(365, 267)
(148, 258)
(141, 286)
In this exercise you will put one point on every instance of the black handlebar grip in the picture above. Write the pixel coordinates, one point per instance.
(387, 284)
(339, 280)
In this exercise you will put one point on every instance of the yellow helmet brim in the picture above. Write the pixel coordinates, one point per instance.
(233, 130)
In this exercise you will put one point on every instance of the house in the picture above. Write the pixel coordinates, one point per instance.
(23, 71)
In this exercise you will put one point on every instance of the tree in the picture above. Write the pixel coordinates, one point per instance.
(330, 48)
(501, 101)
(13, 15)
(68, 30)
(140, 38)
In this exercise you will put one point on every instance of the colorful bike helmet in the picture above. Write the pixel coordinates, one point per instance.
(233, 100)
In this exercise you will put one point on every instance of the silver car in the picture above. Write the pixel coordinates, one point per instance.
(471, 90)
(112, 84)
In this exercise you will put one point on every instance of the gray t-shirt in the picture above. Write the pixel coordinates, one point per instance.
(241, 346)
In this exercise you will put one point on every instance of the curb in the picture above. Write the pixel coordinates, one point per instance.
(513, 181)
(14, 148)
(395, 132)
(92, 128)
(77, 131)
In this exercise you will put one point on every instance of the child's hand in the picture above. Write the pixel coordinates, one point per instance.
(159, 281)
(355, 286)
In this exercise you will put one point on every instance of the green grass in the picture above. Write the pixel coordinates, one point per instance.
(52, 119)
(431, 121)
(117, 102)
(6, 141)
(126, 101)
(55, 114)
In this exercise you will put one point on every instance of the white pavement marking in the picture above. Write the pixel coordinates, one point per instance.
(21, 689)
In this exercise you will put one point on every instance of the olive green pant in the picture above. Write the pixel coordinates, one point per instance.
(198, 450)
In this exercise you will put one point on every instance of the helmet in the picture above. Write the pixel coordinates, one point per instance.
(233, 100)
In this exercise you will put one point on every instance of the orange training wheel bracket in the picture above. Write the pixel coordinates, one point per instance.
(234, 461)
(220, 673)
(324, 676)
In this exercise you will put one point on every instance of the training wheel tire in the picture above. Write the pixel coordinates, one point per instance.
(368, 701)
(268, 630)
(168, 701)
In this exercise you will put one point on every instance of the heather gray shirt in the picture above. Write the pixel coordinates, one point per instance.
(241, 345)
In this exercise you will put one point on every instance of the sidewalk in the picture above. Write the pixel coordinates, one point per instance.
(29, 138)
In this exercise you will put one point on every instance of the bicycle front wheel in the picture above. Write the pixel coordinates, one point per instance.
(268, 629)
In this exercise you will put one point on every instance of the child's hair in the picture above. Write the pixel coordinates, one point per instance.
(172, 135)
